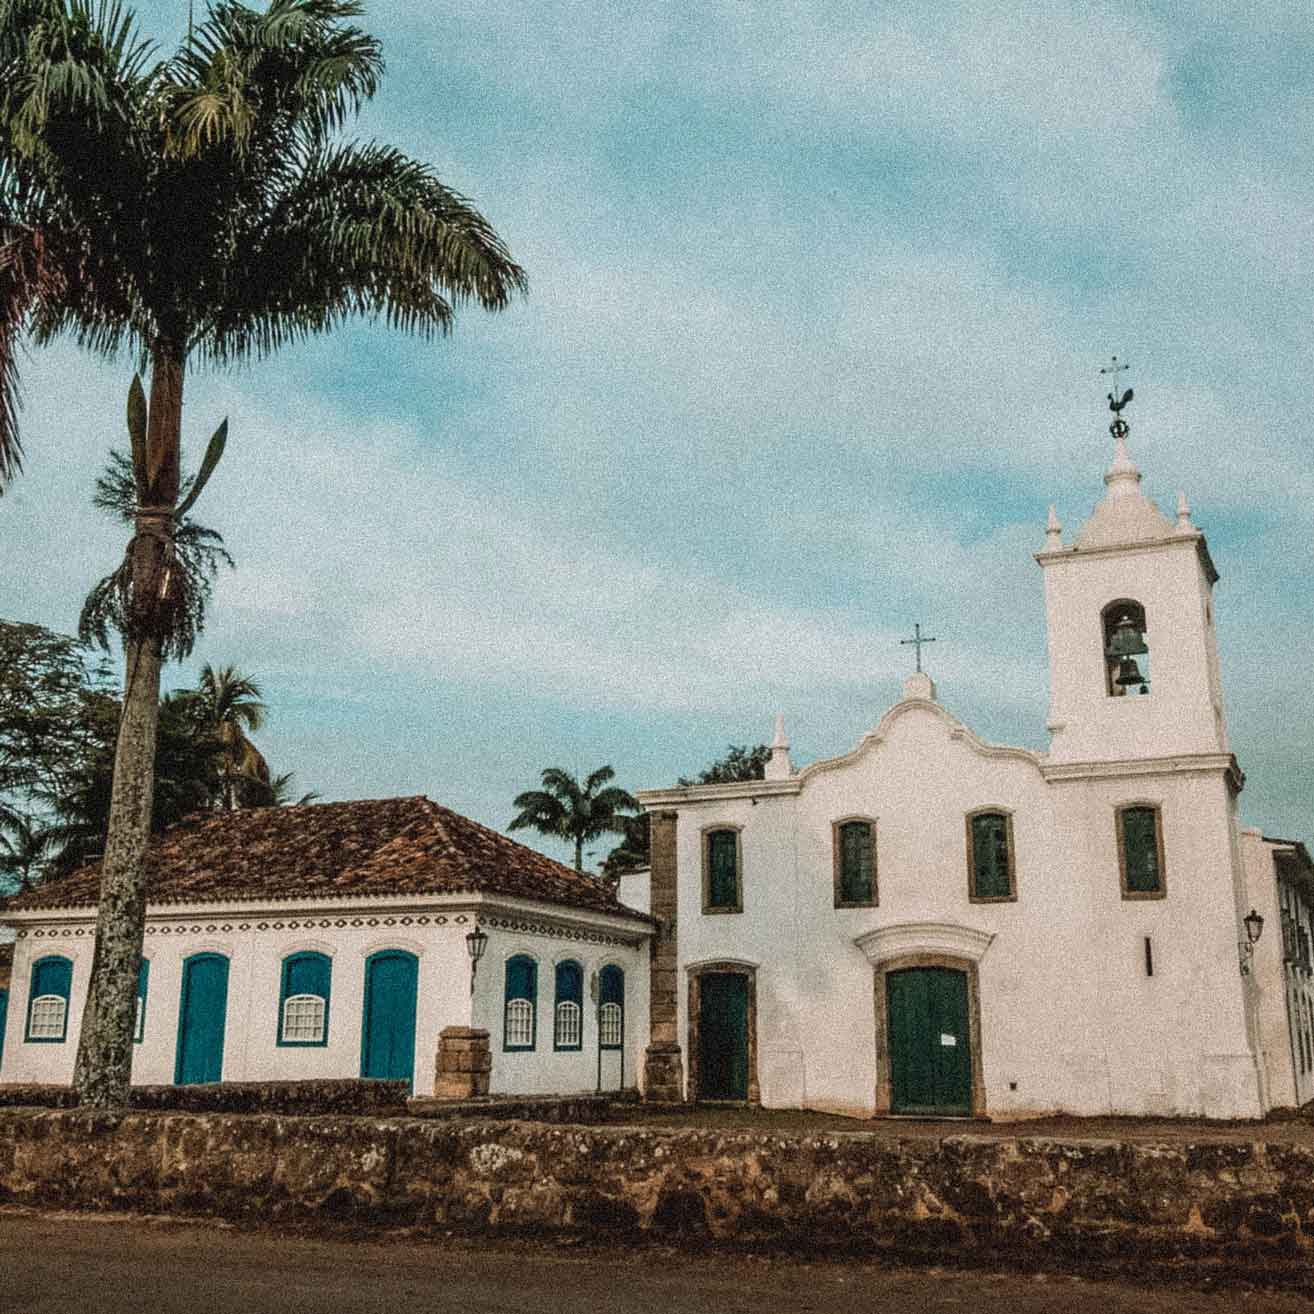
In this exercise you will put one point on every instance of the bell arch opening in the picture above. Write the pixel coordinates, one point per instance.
(1126, 652)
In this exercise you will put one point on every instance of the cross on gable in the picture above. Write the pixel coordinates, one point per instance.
(917, 640)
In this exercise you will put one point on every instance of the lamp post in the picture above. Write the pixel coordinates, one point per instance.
(1254, 923)
(476, 942)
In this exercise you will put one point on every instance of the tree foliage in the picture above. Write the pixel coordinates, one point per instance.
(739, 763)
(567, 810)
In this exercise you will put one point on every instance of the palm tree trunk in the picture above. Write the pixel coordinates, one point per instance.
(103, 1071)
(579, 852)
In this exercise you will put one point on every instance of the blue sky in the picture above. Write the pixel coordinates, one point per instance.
(819, 295)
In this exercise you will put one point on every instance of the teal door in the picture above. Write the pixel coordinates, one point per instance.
(388, 1035)
(930, 1044)
(723, 1036)
(201, 1016)
(4, 1013)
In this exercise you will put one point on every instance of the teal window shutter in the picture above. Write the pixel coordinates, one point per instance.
(723, 869)
(856, 865)
(568, 1014)
(521, 999)
(1140, 848)
(990, 872)
(611, 1007)
(47, 1007)
(303, 999)
(143, 978)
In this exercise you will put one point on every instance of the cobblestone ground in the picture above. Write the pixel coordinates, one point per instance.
(51, 1263)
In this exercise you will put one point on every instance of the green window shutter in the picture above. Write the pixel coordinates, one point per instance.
(722, 882)
(990, 856)
(1140, 846)
(856, 862)
(143, 980)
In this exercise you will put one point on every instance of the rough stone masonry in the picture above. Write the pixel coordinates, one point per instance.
(964, 1198)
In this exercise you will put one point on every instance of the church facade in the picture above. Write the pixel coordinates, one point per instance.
(935, 925)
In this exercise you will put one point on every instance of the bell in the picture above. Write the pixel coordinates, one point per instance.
(1129, 673)
(1126, 642)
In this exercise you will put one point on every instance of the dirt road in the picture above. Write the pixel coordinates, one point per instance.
(50, 1264)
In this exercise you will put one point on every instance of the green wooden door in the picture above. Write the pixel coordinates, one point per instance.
(201, 1019)
(930, 1044)
(388, 1035)
(723, 1036)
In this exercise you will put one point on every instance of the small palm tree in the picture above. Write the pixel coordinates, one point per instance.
(228, 704)
(278, 793)
(25, 845)
(568, 810)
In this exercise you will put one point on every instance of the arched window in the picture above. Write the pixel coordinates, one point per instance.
(990, 857)
(854, 845)
(722, 871)
(1126, 651)
(1140, 851)
(139, 1026)
(47, 1009)
(303, 999)
(569, 1012)
(521, 997)
(611, 1007)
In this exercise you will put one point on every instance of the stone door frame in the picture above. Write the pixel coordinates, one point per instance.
(731, 967)
(884, 1071)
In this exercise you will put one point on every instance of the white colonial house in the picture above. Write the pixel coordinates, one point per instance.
(932, 924)
(331, 940)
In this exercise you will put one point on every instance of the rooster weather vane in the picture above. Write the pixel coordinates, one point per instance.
(1119, 428)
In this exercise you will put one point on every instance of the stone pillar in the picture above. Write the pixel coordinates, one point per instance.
(663, 1069)
(464, 1064)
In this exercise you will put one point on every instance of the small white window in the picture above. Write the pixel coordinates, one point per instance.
(519, 1022)
(609, 1024)
(568, 1015)
(303, 1018)
(48, 1017)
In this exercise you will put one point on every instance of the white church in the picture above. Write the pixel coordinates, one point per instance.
(927, 925)
(935, 925)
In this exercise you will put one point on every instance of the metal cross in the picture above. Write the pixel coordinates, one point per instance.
(917, 640)
(1115, 369)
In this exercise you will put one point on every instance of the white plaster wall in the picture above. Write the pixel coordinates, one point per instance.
(546, 1069)
(251, 1051)
(635, 890)
(1182, 713)
(1069, 1018)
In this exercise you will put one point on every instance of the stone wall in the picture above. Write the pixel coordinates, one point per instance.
(963, 1199)
(326, 1095)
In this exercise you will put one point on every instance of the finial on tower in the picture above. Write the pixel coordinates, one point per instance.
(1053, 530)
(1183, 513)
(778, 766)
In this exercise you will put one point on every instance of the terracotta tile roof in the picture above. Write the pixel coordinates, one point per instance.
(391, 846)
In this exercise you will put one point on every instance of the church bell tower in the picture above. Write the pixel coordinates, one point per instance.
(1129, 610)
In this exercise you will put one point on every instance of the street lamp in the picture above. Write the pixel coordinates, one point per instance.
(476, 942)
(1253, 921)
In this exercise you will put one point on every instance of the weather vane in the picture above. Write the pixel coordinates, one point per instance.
(1119, 428)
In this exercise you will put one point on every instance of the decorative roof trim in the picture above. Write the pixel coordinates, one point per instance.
(674, 794)
(924, 938)
(1059, 772)
(1194, 537)
(957, 730)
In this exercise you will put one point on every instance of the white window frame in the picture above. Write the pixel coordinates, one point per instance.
(44, 1023)
(297, 1030)
(520, 1023)
(568, 1032)
(611, 1025)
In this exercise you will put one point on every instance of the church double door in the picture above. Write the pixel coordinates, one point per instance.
(723, 1036)
(929, 1041)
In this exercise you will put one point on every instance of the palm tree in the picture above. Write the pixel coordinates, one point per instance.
(24, 849)
(278, 793)
(568, 810)
(228, 703)
(198, 208)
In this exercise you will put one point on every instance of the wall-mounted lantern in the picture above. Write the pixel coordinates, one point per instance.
(476, 942)
(1254, 924)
